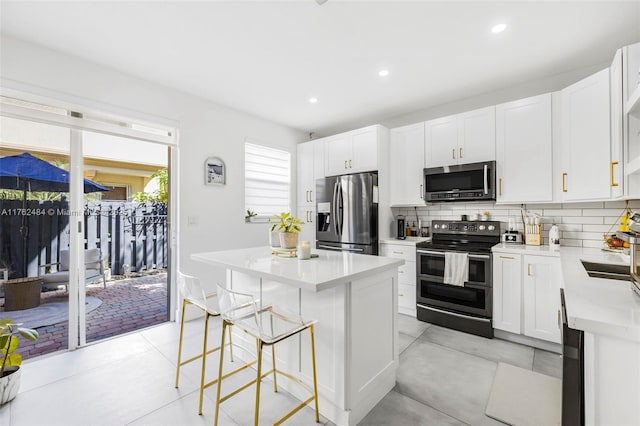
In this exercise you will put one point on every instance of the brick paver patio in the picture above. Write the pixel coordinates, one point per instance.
(127, 305)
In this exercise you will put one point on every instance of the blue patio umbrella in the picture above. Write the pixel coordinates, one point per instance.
(25, 172)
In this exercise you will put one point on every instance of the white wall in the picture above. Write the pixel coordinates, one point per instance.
(507, 94)
(206, 129)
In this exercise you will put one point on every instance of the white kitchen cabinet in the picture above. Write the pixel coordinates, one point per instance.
(617, 106)
(526, 294)
(462, 138)
(406, 155)
(524, 149)
(406, 274)
(352, 152)
(585, 139)
(507, 292)
(541, 297)
(310, 166)
(307, 214)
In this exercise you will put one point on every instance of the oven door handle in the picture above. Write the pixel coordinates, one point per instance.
(436, 253)
(442, 311)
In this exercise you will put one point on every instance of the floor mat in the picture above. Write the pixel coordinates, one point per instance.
(47, 313)
(523, 397)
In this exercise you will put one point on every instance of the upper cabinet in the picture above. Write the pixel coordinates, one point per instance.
(524, 137)
(469, 137)
(310, 165)
(406, 155)
(585, 148)
(631, 117)
(352, 152)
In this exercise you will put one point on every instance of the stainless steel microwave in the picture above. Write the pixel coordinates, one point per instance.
(461, 182)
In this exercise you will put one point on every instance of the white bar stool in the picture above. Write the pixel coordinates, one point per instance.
(268, 327)
(193, 294)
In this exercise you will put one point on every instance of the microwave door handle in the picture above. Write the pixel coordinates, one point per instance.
(486, 179)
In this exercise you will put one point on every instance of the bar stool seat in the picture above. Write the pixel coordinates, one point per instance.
(268, 327)
(193, 294)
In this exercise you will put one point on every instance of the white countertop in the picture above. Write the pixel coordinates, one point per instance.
(330, 269)
(595, 305)
(409, 241)
(525, 249)
(599, 305)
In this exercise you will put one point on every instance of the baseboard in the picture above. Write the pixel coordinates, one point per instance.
(529, 341)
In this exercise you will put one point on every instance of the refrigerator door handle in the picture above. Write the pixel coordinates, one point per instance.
(334, 207)
(340, 208)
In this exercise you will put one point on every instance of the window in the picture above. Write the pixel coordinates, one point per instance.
(267, 180)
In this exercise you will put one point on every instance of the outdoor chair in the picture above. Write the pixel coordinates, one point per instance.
(268, 327)
(93, 270)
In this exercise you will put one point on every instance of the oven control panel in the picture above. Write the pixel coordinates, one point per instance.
(466, 227)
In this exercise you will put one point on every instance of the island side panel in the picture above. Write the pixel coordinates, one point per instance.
(373, 341)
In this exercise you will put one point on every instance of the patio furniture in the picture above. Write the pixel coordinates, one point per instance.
(193, 294)
(268, 327)
(22, 293)
(93, 270)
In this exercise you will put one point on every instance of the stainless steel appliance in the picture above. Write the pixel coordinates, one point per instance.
(514, 237)
(461, 182)
(633, 238)
(572, 371)
(466, 308)
(347, 213)
(400, 228)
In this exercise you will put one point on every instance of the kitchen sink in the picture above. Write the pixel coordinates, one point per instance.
(612, 271)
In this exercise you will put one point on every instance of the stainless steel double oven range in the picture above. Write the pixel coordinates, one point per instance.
(467, 308)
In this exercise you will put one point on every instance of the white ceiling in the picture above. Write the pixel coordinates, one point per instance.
(269, 57)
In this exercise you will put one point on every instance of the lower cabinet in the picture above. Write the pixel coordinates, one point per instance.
(526, 295)
(406, 274)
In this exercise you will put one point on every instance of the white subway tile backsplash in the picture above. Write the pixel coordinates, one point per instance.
(592, 243)
(602, 212)
(583, 219)
(562, 212)
(581, 224)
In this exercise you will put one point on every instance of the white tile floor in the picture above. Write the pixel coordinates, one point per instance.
(129, 380)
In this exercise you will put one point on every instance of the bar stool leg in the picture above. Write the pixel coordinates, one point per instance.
(313, 361)
(275, 379)
(224, 332)
(258, 380)
(230, 343)
(184, 306)
(204, 360)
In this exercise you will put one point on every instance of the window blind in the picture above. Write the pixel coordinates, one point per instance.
(267, 180)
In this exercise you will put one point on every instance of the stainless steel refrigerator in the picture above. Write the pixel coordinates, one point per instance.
(347, 213)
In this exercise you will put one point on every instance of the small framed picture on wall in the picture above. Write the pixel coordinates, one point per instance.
(214, 171)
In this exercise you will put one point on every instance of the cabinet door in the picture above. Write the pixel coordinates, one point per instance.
(307, 214)
(524, 150)
(337, 154)
(541, 297)
(305, 163)
(441, 142)
(406, 156)
(586, 147)
(477, 135)
(507, 292)
(617, 104)
(364, 150)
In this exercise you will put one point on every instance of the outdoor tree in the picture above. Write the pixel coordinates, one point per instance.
(161, 195)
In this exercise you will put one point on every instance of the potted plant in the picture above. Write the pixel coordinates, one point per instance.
(250, 215)
(10, 366)
(289, 226)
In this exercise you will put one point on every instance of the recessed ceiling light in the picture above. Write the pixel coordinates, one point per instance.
(498, 28)
(383, 73)
(313, 100)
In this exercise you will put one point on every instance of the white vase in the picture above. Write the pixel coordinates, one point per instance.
(9, 385)
(288, 240)
(274, 238)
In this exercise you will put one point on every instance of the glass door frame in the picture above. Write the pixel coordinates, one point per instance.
(99, 120)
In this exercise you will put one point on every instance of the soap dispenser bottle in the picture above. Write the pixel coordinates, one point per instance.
(554, 236)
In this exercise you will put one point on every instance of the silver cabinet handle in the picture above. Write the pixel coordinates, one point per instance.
(311, 195)
(453, 154)
(345, 164)
(486, 179)
(460, 156)
(350, 164)
(421, 192)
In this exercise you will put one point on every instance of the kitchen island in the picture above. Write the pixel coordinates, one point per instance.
(353, 297)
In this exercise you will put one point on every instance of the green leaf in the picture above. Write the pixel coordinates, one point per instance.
(29, 333)
(13, 360)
